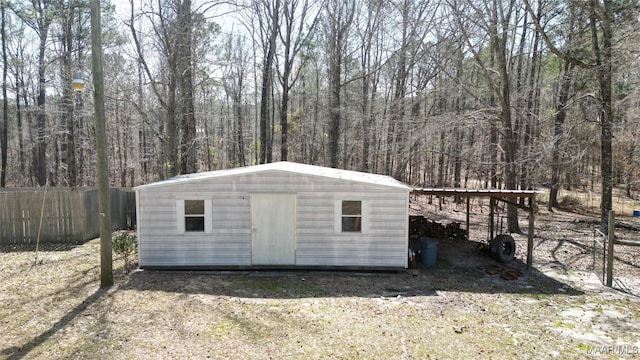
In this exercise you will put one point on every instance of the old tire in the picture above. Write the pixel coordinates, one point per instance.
(503, 248)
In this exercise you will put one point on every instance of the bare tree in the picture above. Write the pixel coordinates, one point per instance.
(38, 15)
(494, 19)
(267, 13)
(415, 20)
(566, 79)
(19, 72)
(600, 25)
(184, 69)
(173, 26)
(338, 19)
(67, 13)
(295, 32)
(370, 57)
(234, 83)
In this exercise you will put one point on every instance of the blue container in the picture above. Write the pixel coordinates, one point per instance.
(428, 250)
(636, 213)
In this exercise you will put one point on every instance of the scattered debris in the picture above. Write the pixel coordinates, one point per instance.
(505, 272)
(459, 329)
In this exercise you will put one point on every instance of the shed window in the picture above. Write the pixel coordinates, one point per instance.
(194, 215)
(351, 216)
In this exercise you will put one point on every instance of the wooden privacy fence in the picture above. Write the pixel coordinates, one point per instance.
(68, 215)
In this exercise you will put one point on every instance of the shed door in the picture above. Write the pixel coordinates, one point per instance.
(273, 220)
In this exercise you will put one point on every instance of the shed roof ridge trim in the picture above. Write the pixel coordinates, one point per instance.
(291, 167)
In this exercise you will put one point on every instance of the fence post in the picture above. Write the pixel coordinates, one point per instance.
(610, 240)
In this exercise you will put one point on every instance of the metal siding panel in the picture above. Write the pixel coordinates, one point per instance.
(228, 243)
(352, 259)
(153, 230)
(139, 228)
(198, 250)
(320, 243)
(317, 244)
(179, 219)
(208, 217)
(231, 211)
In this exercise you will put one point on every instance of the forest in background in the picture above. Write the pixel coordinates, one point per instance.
(519, 94)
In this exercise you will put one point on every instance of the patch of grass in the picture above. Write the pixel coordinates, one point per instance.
(570, 201)
(268, 285)
(543, 196)
(224, 327)
(539, 296)
(561, 324)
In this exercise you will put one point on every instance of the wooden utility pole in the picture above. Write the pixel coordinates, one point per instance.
(106, 272)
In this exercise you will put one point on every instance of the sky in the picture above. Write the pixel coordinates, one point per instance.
(228, 23)
(122, 7)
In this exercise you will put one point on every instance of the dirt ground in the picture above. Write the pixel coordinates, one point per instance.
(53, 307)
(563, 240)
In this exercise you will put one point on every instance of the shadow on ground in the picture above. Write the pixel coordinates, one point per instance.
(625, 285)
(19, 352)
(423, 281)
(43, 246)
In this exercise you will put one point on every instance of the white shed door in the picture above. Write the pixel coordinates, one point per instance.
(273, 221)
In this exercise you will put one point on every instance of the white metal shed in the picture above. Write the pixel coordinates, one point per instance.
(281, 215)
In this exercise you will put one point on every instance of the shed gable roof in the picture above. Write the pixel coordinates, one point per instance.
(291, 167)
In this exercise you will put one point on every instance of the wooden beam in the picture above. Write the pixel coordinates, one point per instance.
(627, 242)
(476, 192)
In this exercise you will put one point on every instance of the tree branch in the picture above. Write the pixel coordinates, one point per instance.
(564, 56)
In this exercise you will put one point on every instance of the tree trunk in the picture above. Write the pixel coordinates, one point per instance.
(40, 160)
(238, 115)
(558, 131)
(340, 17)
(509, 139)
(184, 73)
(19, 89)
(493, 128)
(335, 66)
(267, 83)
(5, 101)
(171, 144)
(603, 69)
(68, 150)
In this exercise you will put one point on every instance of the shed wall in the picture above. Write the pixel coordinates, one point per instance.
(383, 244)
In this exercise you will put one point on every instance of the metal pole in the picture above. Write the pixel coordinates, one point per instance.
(610, 239)
(106, 272)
